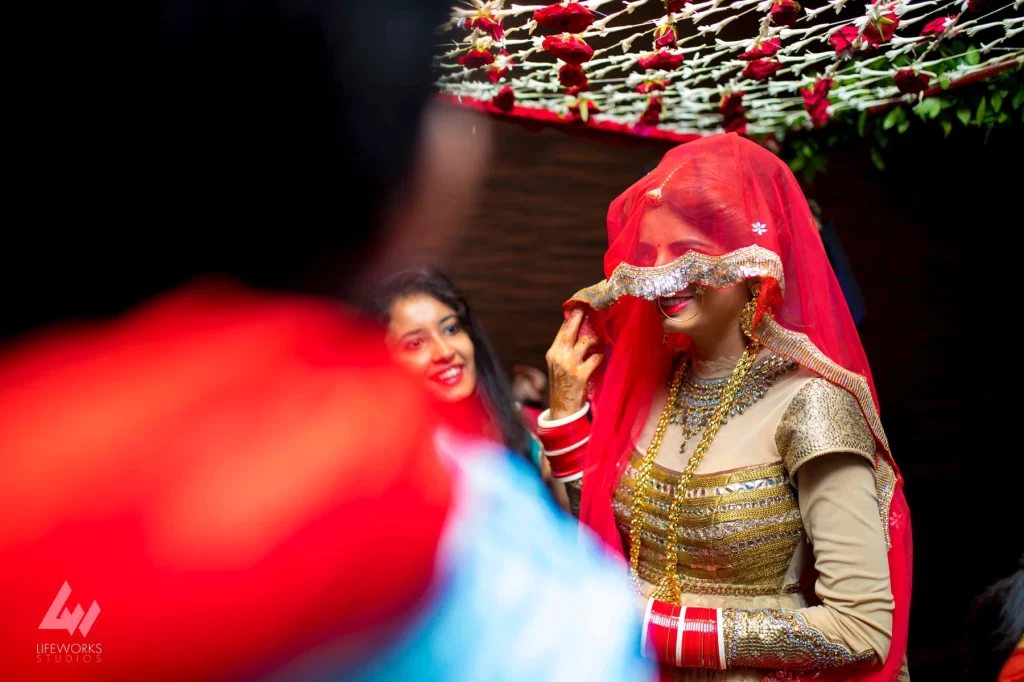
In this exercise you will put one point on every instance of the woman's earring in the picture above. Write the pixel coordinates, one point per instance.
(749, 310)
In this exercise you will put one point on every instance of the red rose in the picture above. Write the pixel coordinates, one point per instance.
(569, 49)
(474, 59)
(652, 114)
(843, 38)
(977, 5)
(785, 12)
(664, 60)
(488, 25)
(672, 6)
(494, 75)
(909, 82)
(571, 76)
(881, 30)
(766, 48)
(761, 69)
(816, 101)
(575, 90)
(733, 118)
(936, 27)
(505, 100)
(648, 87)
(665, 36)
(571, 18)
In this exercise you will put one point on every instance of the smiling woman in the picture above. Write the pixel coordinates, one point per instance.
(433, 333)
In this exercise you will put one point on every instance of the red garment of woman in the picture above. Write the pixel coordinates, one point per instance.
(730, 211)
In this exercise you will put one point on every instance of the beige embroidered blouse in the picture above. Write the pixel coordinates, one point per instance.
(784, 528)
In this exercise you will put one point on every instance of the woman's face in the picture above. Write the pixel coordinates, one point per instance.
(665, 236)
(427, 339)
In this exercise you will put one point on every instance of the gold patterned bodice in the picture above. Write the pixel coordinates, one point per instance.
(739, 532)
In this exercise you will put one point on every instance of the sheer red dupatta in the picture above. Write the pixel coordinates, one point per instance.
(728, 211)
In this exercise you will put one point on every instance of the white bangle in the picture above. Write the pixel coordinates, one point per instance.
(721, 641)
(545, 421)
(647, 621)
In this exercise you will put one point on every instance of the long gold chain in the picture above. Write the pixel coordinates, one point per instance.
(669, 589)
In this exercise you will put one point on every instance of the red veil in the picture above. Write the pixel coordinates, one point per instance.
(729, 211)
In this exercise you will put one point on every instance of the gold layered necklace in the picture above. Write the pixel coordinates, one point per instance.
(697, 398)
(668, 589)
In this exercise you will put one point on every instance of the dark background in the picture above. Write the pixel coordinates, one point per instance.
(933, 243)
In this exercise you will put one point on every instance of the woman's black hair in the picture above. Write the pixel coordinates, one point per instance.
(493, 386)
(996, 626)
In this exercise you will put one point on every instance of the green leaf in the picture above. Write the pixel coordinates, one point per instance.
(946, 126)
(958, 46)
(902, 127)
(892, 118)
(997, 101)
(584, 111)
(980, 115)
(807, 151)
(1018, 99)
(1003, 117)
(797, 163)
(862, 120)
(902, 60)
(928, 108)
(964, 114)
(973, 57)
(876, 157)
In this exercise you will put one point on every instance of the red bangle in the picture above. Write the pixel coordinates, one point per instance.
(567, 466)
(700, 639)
(559, 439)
(661, 631)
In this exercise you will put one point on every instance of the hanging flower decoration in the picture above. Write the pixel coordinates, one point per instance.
(844, 38)
(581, 109)
(489, 26)
(816, 101)
(761, 69)
(881, 30)
(569, 48)
(665, 36)
(571, 76)
(785, 12)
(476, 58)
(505, 99)
(765, 48)
(652, 114)
(912, 52)
(731, 107)
(663, 60)
(939, 27)
(910, 82)
(500, 66)
(647, 87)
(570, 18)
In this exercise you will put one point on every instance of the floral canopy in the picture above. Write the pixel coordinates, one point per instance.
(678, 68)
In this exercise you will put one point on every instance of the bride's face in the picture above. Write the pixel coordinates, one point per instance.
(665, 235)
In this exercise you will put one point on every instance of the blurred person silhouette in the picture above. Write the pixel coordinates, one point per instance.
(996, 631)
(232, 478)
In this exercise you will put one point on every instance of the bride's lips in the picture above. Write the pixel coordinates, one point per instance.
(673, 304)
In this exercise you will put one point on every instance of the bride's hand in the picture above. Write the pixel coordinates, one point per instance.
(568, 371)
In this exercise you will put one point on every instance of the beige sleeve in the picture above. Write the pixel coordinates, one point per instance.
(828, 449)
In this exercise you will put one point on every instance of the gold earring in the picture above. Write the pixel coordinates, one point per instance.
(749, 310)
